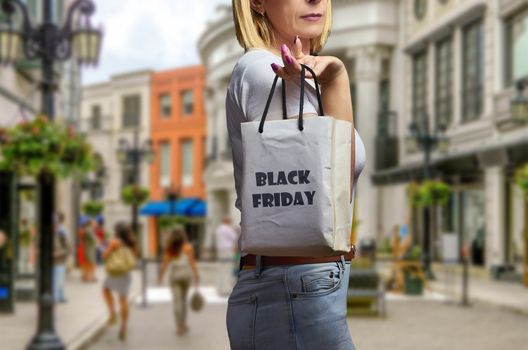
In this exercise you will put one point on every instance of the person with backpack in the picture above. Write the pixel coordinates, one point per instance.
(119, 258)
(179, 256)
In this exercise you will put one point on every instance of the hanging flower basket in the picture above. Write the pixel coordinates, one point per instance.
(33, 146)
(521, 179)
(93, 208)
(431, 192)
(134, 195)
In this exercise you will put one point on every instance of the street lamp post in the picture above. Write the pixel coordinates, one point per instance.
(134, 155)
(422, 137)
(48, 43)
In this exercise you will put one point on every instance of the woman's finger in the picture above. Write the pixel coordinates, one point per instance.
(291, 65)
(297, 48)
(281, 72)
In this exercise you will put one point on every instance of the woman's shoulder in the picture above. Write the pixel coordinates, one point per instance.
(254, 64)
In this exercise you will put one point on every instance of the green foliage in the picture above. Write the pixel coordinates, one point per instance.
(33, 146)
(431, 192)
(134, 195)
(167, 222)
(521, 179)
(93, 208)
(414, 253)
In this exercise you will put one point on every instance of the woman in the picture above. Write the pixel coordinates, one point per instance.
(89, 244)
(179, 255)
(119, 284)
(284, 302)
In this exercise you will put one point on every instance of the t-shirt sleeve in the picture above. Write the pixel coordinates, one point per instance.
(255, 86)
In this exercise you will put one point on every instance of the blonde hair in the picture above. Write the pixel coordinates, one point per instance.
(254, 30)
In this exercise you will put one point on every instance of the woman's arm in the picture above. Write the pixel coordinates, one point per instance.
(192, 260)
(114, 243)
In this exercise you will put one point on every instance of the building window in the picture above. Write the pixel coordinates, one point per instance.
(420, 8)
(419, 86)
(472, 71)
(165, 105)
(517, 47)
(131, 111)
(96, 117)
(165, 164)
(384, 124)
(444, 82)
(187, 150)
(128, 176)
(187, 102)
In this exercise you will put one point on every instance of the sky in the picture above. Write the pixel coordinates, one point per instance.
(148, 34)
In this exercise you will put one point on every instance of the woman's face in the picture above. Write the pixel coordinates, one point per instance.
(289, 18)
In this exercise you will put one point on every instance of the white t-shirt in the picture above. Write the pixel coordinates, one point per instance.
(226, 238)
(247, 93)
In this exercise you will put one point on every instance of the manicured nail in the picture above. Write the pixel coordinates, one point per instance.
(284, 49)
(295, 39)
(275, 66)
(288, 59)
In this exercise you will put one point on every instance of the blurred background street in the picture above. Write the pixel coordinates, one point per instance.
(114, 112)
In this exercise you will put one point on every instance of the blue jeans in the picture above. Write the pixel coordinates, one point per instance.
(59, 276)
(294, 307)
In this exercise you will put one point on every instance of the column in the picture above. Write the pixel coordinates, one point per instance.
(495, 215)
(367, 74)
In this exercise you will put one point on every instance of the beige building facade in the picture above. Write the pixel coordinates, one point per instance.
(112, 111)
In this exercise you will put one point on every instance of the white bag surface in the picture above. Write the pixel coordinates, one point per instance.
(296, 185)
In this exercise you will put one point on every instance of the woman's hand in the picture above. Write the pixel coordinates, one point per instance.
(326, 68)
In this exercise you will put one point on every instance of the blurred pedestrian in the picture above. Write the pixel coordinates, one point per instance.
(61, 252)
(119, 259)
(89, 247)
(24, 244)
(226, 247)
(101, 239)
(180, 258)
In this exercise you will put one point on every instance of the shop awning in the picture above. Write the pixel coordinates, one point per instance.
(183, 207)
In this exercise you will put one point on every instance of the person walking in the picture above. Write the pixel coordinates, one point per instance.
(61, 252)
(287, 302)
(89, 244)
(119, 259)
(180, 258)
(226, 246)
(24, 243)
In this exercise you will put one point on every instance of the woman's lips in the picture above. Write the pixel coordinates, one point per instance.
(312, 17)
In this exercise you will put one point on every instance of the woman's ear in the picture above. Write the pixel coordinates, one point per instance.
(258, 6)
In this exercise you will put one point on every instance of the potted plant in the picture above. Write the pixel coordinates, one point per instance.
(134, 195)
(93, 208)
(31, 147)
(413, 280)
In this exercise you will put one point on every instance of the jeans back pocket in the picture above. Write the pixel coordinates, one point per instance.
(241, 319)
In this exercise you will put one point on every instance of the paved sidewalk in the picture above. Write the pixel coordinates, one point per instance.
(509, 295)
(82, 316)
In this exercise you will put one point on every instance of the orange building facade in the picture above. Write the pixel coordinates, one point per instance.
(178, 134)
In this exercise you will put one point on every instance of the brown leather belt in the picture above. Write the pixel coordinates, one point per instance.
(250, 259)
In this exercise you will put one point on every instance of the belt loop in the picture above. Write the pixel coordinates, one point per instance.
(343, 262)
(258, 265)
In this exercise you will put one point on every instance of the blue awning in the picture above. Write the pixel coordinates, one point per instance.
(183, 207)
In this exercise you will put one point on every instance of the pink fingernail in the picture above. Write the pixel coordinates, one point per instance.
(284, 48)
(275, 67)
(289, 59)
